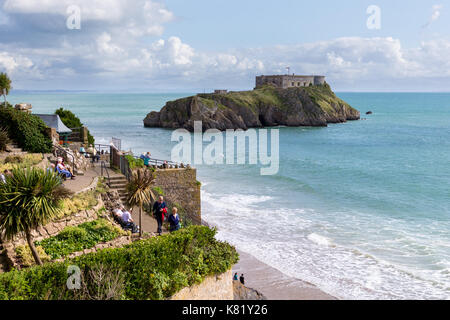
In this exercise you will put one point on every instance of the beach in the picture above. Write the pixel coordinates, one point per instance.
(273, 284)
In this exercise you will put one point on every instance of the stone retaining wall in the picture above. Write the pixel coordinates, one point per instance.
(218, 287)
(180, 187)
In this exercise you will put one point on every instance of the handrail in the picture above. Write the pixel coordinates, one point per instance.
(59, 148)
(103, 165)
(157, 161)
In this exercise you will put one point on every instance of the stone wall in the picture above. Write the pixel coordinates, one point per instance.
(181, 188)
(218, 287)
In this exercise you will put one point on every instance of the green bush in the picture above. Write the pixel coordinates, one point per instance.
(83, 236)
(156, 268)
(28, 130)
(134, 163)
(72, 121)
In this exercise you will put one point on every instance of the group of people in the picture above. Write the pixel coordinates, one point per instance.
(123, 217)
(160, 212)
(241, 278)
(91, 152)
(146, 157)
(5, 174)
(63, 170)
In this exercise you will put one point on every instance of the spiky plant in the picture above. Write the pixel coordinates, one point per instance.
(140, 191)
(4, 139)
(29, 199)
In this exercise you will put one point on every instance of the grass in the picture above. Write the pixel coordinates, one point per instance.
(81, 237)
(22, 161)
(80, 202)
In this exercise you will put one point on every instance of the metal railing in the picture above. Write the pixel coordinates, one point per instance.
(102, 147)
(105, 168)
(158, 162)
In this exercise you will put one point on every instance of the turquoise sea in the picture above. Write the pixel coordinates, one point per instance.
(360, 209)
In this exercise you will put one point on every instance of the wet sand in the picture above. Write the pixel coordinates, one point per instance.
(274, 284)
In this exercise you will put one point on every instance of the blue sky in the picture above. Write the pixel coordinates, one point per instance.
(196, 45)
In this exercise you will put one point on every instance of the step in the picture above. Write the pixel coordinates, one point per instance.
(118, 184)
(118, 178)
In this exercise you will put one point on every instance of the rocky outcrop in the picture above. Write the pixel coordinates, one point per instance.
(263, 107)
(241, 292)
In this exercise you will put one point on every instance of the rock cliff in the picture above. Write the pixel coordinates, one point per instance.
(263, 107)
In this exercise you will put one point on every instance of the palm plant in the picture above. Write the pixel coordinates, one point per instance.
(5, 85)
(140, 191)
(29, 199)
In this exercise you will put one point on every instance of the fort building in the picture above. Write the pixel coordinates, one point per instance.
(289, 81)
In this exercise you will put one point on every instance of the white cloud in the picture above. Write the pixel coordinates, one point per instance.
(114, 44)
(435, 14)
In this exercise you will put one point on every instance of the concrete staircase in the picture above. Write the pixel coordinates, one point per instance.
(119, 183)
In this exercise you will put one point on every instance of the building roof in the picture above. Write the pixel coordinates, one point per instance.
(53, 121)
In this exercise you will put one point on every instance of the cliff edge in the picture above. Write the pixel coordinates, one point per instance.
(267, 106)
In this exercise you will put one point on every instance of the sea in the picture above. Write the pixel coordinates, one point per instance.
(360, 209)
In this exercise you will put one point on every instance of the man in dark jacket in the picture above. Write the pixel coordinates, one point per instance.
(159, 210)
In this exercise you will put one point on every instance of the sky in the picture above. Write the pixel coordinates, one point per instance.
(201, 45)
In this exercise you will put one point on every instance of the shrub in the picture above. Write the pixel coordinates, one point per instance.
(82, 201)
(28, 130)
(26, 257)
(4, 139)
(72, 121)
(134, 163)
(83, 236)
(156, 268)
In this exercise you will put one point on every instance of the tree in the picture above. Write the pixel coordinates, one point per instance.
(29, 199)
(140, 191)
(5, 85)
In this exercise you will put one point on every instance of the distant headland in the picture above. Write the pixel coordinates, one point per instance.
(277, 100)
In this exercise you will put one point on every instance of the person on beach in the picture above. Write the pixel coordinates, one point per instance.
(242, 279)
(159, 210)
(174, 220)
(235, 278)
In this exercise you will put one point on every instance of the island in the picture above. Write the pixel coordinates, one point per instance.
(285, 100)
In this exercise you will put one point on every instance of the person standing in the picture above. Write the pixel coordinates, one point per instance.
(146, 159)
(242, 279)
(159, 210)
(174, 220)
(235, 278)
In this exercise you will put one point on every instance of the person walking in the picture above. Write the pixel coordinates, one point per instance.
(159, 210)
(146, 159)
(174, 220)
(235, 278)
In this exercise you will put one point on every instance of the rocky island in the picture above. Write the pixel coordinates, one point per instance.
(267, 105)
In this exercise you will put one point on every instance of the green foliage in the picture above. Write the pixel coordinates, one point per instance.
(83, 236)
(158, 191)
(4, 139)
(5, 83)
(72, 121)
(82, 201)
(29, 199)
(26, 161)
(26, 257)
(134, 163)
(155, 268)
(28, 130)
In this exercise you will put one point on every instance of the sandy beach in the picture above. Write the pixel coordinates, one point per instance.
(274, 284)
